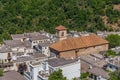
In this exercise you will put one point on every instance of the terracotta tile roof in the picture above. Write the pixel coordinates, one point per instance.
(60, 28)
(78, 42)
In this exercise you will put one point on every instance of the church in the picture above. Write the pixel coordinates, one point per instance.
(70, 48)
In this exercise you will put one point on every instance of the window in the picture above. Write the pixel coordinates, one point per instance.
(43, 51)
(62, 34)
(110, 66)
(34, 42)
(9, 57)
(45, 47)
(37, 59)
(16, 65)
(51, 70)
(77, 50)
(30, 69)
(24, 39)
(31, 77)
(5, 60)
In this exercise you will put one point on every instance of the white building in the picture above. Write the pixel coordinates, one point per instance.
(41, 70)
(44, 48)
(5, 53)
(113, 64)
(35, 38)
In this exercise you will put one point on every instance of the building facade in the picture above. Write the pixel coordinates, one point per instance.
(42, 70)
(76, 46)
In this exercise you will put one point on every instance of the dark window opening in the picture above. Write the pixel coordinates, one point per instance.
(62, 34)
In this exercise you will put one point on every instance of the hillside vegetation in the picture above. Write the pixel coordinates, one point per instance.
(19, 16)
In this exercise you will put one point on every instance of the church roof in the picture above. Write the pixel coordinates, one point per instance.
(78, 42)
(60, 28)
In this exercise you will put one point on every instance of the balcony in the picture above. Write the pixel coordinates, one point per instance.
(27, 75)
(43, 75)
(4, 65)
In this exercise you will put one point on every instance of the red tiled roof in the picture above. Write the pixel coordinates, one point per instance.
(60, 28)
(78, 42)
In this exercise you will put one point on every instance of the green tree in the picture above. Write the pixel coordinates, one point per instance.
(114, 40)
(1, 72)
(111, 53)
(115, 75)
(84, 76)
(33, 15)
(6, 36)
(57, 75)
(1, 30)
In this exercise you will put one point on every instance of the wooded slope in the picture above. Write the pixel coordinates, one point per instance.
(19, 16)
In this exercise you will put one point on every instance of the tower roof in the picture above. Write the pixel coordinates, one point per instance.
(60, 28)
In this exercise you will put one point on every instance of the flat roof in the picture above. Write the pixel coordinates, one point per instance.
(19, 53)
(99, 72)
(45, 44)
(17, 36)
(12, 75)
(32, 36)
(89, 59)
(18, 43)
(115, 61)
(24, 58)
(5, 49)
(60, 62)
(38, 55)
(93, 60)
(39, 37)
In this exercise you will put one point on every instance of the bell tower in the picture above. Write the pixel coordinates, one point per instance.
(61, 32)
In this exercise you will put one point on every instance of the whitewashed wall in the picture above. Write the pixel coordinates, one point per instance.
(4, 56)
(46, 51)
(71, 71)
(34, 71)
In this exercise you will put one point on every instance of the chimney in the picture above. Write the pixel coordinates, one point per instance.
(118, 59)
(95, 59)
(79, 60)
(90, 67)
(14, 57)
(22, 40)
(72, 58)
